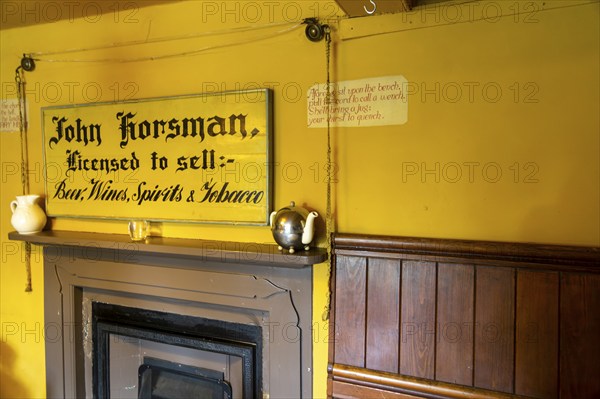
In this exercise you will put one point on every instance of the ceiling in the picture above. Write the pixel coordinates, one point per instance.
(363, 8)
(24, 13)
(16, 14)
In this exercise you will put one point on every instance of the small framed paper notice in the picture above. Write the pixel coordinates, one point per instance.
(197, 158)
(379, 101)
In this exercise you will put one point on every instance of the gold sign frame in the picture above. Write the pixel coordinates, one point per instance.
(204, 158)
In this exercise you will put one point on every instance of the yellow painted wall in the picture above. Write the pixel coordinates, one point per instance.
(541, 132)
(502, 139)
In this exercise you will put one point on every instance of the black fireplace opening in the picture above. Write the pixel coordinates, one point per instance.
(159, 355)
(161, 379)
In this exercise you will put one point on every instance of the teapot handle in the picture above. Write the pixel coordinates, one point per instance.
(13, 206)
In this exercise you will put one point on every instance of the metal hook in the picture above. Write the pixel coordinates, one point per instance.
(374, 8)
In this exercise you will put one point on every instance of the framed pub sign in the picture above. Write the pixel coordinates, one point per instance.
(195, 158)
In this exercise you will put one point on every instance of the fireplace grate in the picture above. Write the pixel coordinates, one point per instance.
(161, 379)
(165, 378)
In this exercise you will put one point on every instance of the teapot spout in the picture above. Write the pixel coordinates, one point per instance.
(309, 228)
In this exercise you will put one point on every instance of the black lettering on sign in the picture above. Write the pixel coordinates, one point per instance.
(79, 133)
(187, 127)
(215, 195)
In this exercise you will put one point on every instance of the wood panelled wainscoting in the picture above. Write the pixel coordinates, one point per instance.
(436, 318)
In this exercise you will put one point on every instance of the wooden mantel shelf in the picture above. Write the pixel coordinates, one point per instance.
(205, 250)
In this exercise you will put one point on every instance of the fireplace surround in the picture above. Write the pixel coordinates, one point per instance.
(194, 293)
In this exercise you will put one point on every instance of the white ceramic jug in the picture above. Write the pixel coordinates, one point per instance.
(27, 216)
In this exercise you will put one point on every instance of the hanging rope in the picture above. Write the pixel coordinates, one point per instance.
(163, 56)
(328, 212)
(24, 161)
(147, 40)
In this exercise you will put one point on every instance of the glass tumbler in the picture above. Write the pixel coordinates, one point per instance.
(139, 230)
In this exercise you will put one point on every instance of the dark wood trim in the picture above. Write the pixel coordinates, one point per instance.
(206, 250)
(331, 310)
(370, 381)
(550, 257)
(344, 390)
